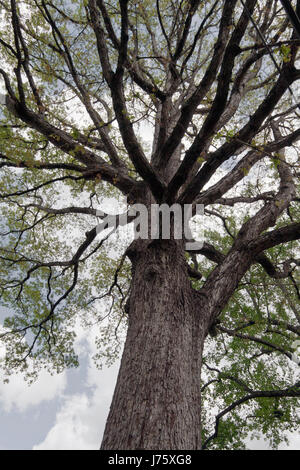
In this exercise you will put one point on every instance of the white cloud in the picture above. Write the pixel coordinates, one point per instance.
(18, 394)
(71, 430)
(262, 444)
(81, 419)
(294, 442)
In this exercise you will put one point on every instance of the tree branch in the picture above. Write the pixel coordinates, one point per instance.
(293, 391)
(288, 75)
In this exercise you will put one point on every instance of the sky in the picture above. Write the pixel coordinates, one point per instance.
(65, 411)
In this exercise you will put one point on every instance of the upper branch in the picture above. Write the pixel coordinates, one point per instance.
(94, 164)
(275, 237)
(189, 107)
(288, 75)
(218, 105)
(116, 86)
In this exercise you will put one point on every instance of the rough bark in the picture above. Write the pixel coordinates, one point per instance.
(156, 404)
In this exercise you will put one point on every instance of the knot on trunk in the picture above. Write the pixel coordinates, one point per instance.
(151, 273)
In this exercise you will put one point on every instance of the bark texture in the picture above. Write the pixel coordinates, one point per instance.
(156, 404)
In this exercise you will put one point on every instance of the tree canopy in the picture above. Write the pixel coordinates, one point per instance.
(191, 102)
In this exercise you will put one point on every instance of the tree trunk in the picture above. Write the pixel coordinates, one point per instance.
(156, 403)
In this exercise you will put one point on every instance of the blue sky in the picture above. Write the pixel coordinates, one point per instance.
(66, 411)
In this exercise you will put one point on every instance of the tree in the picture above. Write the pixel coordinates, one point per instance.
(215, 84)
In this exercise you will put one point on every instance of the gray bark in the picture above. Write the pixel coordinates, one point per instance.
(156, 404)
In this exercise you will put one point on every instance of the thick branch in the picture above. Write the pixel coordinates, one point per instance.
(188, 109)
(288, 75)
